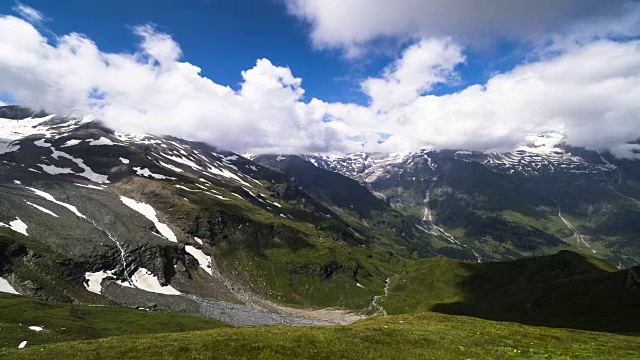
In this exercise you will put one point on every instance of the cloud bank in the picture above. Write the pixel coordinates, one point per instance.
(589, 90)
(352, 24)
(153, 91)
(591, 93)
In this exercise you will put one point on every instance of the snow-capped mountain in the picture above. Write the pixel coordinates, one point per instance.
(540, 154)
(91, 215)
(544, 189)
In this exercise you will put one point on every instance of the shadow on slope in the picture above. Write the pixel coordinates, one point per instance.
(561, 290)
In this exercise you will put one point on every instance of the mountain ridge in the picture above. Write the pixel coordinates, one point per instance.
(98, 216)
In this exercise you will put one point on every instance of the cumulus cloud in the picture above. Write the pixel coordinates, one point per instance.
(590, 91)
(30, 14)
(422, 65)
(352, 24)
(153, 91)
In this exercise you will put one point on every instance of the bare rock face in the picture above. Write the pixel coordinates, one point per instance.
(18, 112)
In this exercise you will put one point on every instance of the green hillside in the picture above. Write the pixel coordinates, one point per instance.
(566, 290)
(561, 290)
(68, 322)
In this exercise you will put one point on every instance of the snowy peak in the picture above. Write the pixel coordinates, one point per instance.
(365, 167)
(14, 127)
(539, 154)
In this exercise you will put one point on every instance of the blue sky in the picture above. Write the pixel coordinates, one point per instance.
(294, 76)
(225, 37)
(222, 37)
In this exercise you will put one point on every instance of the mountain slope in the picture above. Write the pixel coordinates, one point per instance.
(561, 290)
(102, 217)
(539, 199)
(361, 208)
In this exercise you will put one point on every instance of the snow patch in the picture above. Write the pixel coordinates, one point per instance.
(17, 225)
(7, 146)
(226, 173)
(89, 186)
(5, 287)
(124, 161)
(203, 259)
(150, 213)
(11, 130)
(183, 161)
(143, 279)
(72, 142)
(94, 280)
(44, 210)
(171, 167)
(41, 143)
(102, 141)
(218, 196)
(88, 173)
(49, 197)
(54, 170)
(147, 173)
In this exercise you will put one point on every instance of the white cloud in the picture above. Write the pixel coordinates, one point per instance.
(591, 91)
(153, 91)
(421, 66)
(28, 13)
(352, 24)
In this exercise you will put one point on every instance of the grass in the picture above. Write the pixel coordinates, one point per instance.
(562, 290)
(419, 336)
(67, 322)
(424, 292)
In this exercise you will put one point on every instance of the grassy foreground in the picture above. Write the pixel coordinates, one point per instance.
(429, 299)
(419, 336)
(67, 322)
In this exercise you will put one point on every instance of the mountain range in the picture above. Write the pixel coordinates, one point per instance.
(93, 216)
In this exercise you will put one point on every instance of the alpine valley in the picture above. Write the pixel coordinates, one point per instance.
(182, 239)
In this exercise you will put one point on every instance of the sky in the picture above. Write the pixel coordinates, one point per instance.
(303, 76)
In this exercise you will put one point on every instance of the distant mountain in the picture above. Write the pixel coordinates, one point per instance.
(157, 223)
(543, 197)
(94, 216)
